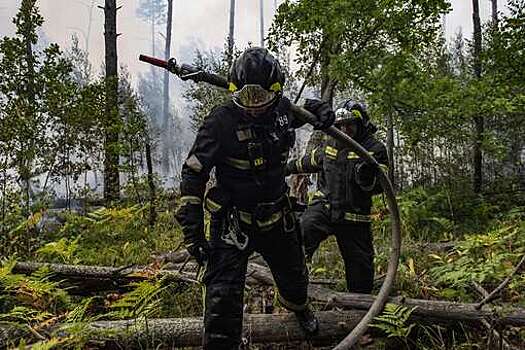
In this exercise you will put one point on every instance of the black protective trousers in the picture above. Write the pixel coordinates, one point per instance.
(353, 238)
(225, 275)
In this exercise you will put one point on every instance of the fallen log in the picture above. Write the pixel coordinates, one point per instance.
(85, 279)
(257, 328)
(439, 311)
(436, 310)
(174, 333)
(499, 339)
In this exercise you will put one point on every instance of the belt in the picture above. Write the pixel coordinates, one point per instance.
(357, 217)
(265, 214)
(247, 218)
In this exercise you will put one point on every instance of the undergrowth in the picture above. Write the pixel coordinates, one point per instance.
(489, 239)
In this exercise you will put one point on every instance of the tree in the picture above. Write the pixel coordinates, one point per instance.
(231, 32)
(342, 44)
(112, 122)
(203, 97)
(22, 118)
(478, 120)
(155, 12)
(351, 38)
(167, 127)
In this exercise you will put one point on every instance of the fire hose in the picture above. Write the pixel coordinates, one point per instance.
(188, 72)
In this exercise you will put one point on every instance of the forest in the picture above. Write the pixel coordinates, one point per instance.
(92, 255)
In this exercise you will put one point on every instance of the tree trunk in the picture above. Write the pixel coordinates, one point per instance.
(88, 279)
(430, 311)
(231, 42)
(166, 101)
(27, 161)
(153, 47)
(478, 120)
(151, 183)
(90, 24)
(175, 333)
(112, 122)
(261, 21)
(494, 12)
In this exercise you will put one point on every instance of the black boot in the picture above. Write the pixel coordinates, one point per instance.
(308, 321)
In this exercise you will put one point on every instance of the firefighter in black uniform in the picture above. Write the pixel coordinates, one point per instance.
(247, 142)
(341, 205)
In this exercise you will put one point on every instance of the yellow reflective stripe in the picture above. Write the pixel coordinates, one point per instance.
(212, 206)
(331, 151)
(276, 87)
(247, 218)
(353, 155)
(384, 167)
(357, 217)
(238, 163)
(312, 158)
(291, 305)
(299, 165)
(258, 161)
(232, 87)
(190, 200)
(318, 194)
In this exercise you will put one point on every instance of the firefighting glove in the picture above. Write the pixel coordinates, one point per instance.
(190, 217)
(322, 110)
(199, 249)
(366, 174)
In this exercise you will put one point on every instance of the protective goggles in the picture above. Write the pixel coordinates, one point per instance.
(343, 115)
(254, 97)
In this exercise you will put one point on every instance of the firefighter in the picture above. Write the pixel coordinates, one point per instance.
(341, 206)
(247, 141)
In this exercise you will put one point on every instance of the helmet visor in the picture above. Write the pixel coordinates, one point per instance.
(253, 97)
(343, 115)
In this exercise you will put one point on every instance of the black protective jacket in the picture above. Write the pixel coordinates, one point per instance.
(249, 155)
(347, 190)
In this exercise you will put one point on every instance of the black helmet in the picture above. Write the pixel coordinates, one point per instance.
(352, 111)
(256, 80)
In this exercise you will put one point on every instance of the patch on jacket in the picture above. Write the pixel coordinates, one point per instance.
(244, 134)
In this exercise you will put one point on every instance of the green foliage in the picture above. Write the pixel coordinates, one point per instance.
(355, 35)
(115, 236)
(202, 97)
(485, 258)
(63, 249)
(394, 321)
(144, 301)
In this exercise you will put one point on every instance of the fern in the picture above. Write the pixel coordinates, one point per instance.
(23, 314)
(143, 301)
(394, 321)
(63, 249)
(79, 313)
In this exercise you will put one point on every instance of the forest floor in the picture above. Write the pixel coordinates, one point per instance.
(451, 242)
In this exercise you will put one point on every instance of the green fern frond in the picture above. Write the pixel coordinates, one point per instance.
(23, 314)
(393, 321)
(62, 249)
(79, 313)
(142, 301)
